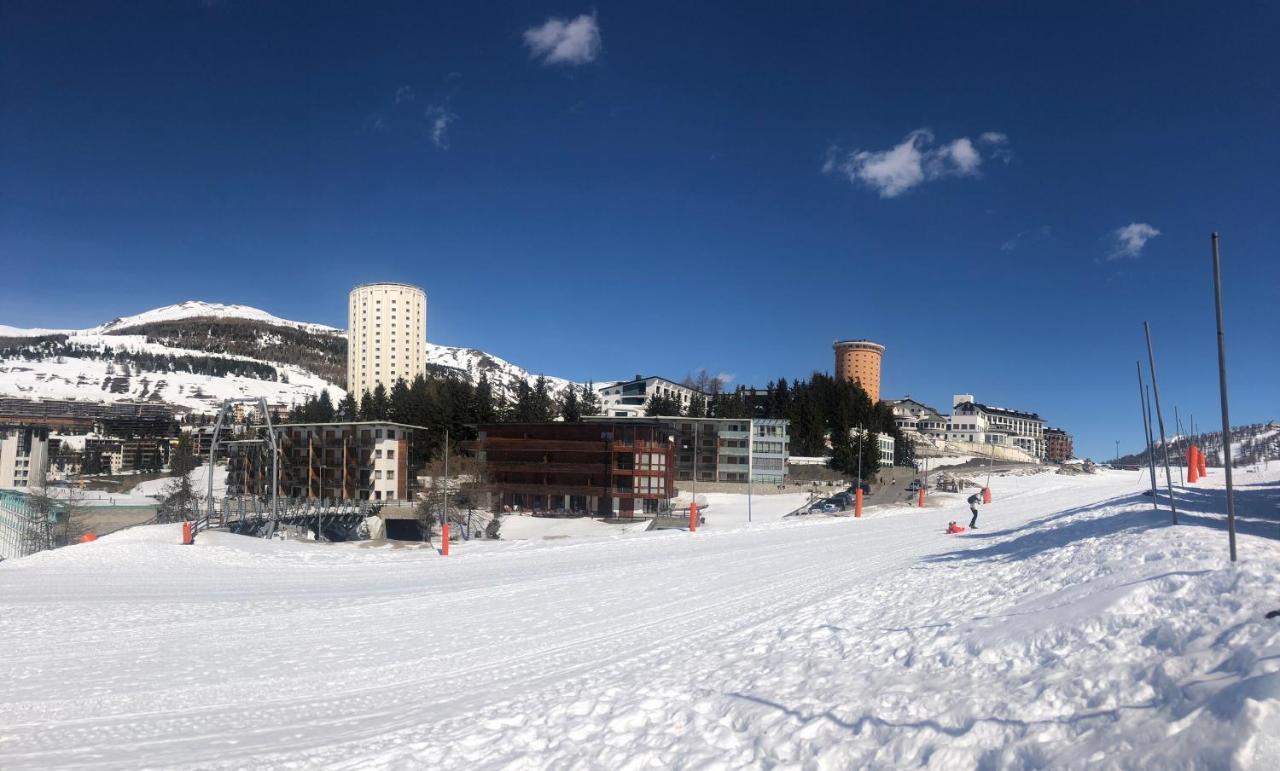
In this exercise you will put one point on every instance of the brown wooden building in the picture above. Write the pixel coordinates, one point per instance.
(610, 469)
(357, 461)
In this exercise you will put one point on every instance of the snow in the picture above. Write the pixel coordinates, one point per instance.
(185, 310)
(516, 527)
(944, 461)
(146, 493)
(1076, 629)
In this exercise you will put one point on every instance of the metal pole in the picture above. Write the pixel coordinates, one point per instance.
(1222, 390)
(1177, 422)
(751, 440)
(1164, 445)
(444, 510)
(1116, 462)
(1146, 430)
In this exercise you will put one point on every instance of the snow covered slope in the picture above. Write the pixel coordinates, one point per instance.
(1077, 629)
(186, 310)
(181, 325)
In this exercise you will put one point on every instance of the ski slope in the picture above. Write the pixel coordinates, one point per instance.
(1076, 629)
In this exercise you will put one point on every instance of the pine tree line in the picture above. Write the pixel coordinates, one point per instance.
(56, 347)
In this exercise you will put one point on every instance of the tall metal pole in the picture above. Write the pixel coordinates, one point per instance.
(444, 508)
(1146, 430)
(751, 440)
(1164, 445)
(1222, 389)
(1116, 462)
(1177, 422)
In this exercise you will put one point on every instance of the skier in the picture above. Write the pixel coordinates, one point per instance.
(974, 500)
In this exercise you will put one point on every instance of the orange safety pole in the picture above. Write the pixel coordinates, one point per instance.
(693, 517)
(186, 534)
(1192, 465)
(444, 540)
(986, 495)
(1204, 470)
(920, 498)
(857, 502)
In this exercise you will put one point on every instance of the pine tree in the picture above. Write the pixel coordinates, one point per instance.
(590, 400)
(697, 406)
(544, 406)
(399, 408)
(483, 410)
(524, 409)
(570, 408)
(183, 459)
(381, 403)
(324, 412)
(366, 406)
(348, 410)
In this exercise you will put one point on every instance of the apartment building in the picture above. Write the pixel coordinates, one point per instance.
(362, 460)
(24, 456)
(1058, 446)
(616, 468)
(628, 399)
(386, 336)
(975, 422)
(718, 450)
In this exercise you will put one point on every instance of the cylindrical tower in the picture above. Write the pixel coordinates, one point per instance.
(386, 336)
(859, 360)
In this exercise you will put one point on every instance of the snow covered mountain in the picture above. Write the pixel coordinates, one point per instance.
(194, 354)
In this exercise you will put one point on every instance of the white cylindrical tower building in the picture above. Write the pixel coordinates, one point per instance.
(386, 336)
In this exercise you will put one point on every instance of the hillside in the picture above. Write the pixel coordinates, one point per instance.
(194, 354)
(1250, 444)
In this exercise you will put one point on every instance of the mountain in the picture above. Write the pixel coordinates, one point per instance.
(1250, 444)
(194, 354)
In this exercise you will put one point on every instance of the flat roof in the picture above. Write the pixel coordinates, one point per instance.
(388, 283)
(350, 423)
(862, 343)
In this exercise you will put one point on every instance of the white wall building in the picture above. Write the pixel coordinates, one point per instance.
(24, 456)
(386, 336)
(628, 399)
(975, 422)
(884, 442)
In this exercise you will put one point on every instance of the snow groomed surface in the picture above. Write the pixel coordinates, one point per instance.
(1076, 628)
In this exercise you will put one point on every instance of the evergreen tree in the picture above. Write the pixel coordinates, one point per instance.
(183, 459)
(590, 400)
(697, 406)
(348, 410)
(570, 408)
(324, 412)
(381, 404)
(524, 408)
(366, 406)
(399, 408)
(484, 410)
(544, 405)
(662, 406)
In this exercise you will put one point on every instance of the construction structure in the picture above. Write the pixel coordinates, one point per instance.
(386, 336)
(614, 468)
(859, 361)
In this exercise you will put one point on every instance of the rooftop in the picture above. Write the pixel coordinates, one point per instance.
(859, 344)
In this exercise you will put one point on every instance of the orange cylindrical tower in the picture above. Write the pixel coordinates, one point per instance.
(859, 361)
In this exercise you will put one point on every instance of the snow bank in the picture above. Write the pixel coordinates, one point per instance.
(1076, 629)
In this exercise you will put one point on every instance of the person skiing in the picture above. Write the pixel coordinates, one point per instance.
(974, 500)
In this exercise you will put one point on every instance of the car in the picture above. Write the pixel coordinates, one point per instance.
(916, 484)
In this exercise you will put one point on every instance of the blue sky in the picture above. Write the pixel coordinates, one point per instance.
(1000, 194)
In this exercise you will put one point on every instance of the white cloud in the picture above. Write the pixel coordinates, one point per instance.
(565, 42)
(915, 160)
(440, 117)
(1130, 240)
(993, 138)
(404, 94)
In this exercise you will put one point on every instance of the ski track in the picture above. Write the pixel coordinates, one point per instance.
(802, 643)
